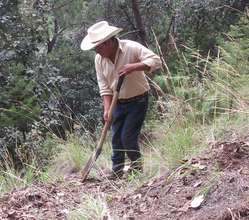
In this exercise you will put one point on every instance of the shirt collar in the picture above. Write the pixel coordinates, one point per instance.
(120, 46)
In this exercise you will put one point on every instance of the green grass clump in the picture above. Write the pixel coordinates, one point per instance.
(91, 208)
(71, 156)
(11, 178)
(175, 144)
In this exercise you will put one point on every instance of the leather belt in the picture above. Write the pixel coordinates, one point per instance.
(134, 98)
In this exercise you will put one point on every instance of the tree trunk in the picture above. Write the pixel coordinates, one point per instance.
(139, 23)
(51, 43)
(167, 43)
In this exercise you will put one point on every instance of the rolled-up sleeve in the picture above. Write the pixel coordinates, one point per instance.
(104, 88)
(149, 58)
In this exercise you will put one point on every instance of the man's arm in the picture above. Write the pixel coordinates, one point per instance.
(146, 60)
(145, 56)
(107, 99)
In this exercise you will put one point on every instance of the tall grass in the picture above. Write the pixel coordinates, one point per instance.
(214, 94)
(11, 178)
(71, 155)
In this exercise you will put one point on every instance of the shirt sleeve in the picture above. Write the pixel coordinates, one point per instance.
(104, 89)
(148, 57)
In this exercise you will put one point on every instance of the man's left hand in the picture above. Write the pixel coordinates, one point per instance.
(131, 67)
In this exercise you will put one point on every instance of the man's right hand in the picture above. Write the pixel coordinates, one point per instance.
(106, 118)
(107, 103)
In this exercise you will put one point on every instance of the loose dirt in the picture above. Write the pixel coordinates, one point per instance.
(220, 174)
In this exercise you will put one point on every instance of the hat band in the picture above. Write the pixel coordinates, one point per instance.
(94, 42)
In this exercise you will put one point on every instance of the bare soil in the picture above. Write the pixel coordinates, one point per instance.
(220, 174)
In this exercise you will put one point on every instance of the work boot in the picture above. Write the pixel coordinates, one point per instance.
(113, 175)
(136, 167)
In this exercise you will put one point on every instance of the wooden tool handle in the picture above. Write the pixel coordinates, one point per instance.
(94, 156)
(120, 82)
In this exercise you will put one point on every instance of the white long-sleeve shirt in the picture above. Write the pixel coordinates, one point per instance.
(135, 83)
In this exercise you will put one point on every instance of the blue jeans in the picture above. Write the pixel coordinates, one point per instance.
(128, 119)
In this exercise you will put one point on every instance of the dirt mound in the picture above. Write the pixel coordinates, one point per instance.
(232, 155)
(218, 180)
(35, 202)
(220, 176)
(51, 201)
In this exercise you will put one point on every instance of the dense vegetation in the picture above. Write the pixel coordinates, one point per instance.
(48, 85)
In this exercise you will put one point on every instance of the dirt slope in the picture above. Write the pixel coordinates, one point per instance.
(221, 174)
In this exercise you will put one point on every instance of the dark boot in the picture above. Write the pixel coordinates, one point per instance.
(136, 166)
(113, 175)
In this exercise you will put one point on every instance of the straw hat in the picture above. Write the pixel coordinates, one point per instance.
(97, 34)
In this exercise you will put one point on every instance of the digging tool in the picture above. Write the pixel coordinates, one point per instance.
(95, 155)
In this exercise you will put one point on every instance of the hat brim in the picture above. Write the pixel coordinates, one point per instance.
(86, 44)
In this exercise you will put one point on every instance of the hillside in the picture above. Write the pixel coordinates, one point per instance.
(220, 174)
(194, 140)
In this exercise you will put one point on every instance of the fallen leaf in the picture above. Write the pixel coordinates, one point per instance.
(244, 171)
(197, 184)
(197, 201)
(137, 196)
(199, 166)
(60, 194)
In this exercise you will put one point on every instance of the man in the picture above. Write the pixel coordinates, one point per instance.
(114, 58)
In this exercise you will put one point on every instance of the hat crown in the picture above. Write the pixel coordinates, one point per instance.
(97, 34)
(98, 31)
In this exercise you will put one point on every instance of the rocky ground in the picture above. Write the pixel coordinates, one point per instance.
(219, 177)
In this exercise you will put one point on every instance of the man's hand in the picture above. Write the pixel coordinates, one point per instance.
(107, 118)
(107, 103)
(131, 67)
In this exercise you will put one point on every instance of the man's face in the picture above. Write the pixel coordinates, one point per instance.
(103, 49)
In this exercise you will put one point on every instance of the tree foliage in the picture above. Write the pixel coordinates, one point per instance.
(49, 84)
